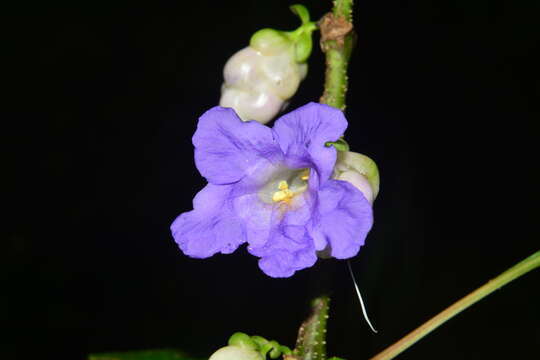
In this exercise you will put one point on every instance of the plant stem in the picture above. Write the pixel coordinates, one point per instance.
(337, 38)
(311, 342)
(343, 8)
(513, 273)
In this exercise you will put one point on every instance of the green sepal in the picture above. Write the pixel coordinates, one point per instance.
(301, 11)
(259, 344)
(285, 350)
(275, 352)
(303, 42)
(340, 145)
(243, 340)
(303, 47)
(271, 41)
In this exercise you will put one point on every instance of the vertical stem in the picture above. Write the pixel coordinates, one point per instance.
(311, 342)
(343, 8)
(513, 273)
(337, 38)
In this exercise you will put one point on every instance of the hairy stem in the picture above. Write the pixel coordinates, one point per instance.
(311, 342)
(513, 273)
(337, 39)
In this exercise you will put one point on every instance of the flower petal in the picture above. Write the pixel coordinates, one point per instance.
(343, 221)
(289, 247)
(289, 250)
(226, 148)
(310, 127)
(211, 227)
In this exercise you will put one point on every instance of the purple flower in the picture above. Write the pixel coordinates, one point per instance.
(273, 188)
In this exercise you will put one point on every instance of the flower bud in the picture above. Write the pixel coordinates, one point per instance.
(270, 42)
(360, 171)
(260, 78)
(236, 353)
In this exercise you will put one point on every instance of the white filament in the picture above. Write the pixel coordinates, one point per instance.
(364, 312)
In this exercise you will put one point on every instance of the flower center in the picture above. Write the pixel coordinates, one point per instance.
(285, 193)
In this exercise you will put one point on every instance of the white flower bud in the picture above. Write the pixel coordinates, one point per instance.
(360, 171)
(257, 86)
(236, 353)
(261, 78)
(261, 106)
(359, 181)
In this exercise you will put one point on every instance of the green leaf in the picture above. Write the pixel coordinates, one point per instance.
(157, 354)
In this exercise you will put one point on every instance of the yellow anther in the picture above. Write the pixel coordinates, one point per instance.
(279, 196)
(305, 175)
(283, 185)
(284, 194)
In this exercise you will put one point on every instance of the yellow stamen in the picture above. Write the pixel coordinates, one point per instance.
(284, 194)
(305, 176)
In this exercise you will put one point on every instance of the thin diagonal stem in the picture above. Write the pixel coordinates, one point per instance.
(513, 273)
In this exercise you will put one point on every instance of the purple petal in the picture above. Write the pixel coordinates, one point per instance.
(289, 250)
(226, 148)
(343, 221)
(310, 127)
(289, 246)
(211, 227)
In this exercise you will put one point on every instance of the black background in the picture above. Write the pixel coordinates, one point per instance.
(106, 97)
